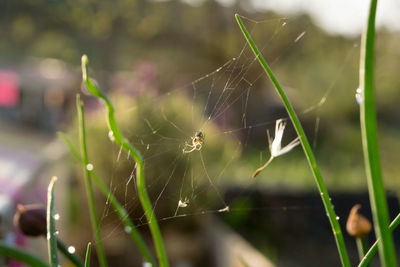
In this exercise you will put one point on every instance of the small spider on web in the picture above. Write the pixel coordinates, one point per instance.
(197, 143)
(184, 203)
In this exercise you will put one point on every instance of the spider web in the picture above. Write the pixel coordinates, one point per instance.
(224, 105)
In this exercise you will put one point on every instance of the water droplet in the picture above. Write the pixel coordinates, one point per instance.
(327, 214)
(56, 216)
(322, 194)
(128, 229)
(71, 249)
(337, 218)
(111, 136)
(56, 232)
(359, 96)
(330, 199)
(89, 167)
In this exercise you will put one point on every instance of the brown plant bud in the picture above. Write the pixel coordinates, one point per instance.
(357, 225)
(31, 219)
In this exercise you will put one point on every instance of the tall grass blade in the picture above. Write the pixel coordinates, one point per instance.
(140, 177)
(121, 211)
(370, 144)
(51, 225)
(88, 185)
(337, 232)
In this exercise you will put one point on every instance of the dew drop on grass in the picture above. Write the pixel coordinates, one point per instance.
(322, 194)
(56, 216)
(111, 136)
(71, 249)
(127, 229)
(56, 232)
(337, 218)
(359, 96)
(89, 167)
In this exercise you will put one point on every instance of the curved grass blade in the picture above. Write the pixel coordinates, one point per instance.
(129, 148)
(88, 185)
(21, 256)
(121, 211)
(51, 225)
(374, 248)
(337, 232)
(370, 144)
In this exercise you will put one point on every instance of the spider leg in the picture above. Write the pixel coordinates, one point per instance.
(188, 151)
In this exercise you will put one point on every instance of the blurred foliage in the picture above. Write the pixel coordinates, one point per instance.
(185, 42)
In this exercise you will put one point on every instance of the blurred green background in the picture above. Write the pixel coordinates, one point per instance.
(167, 45)
(153, 58)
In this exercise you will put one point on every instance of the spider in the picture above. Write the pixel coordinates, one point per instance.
(184, 203)
(197, 143)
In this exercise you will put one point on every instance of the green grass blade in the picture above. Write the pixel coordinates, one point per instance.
(51, 225)
(72, 257)
(140, 178)
(88, 253)
(337, 232)
(121, 211)
(361, 243)
(21, 256)
(370, 144)
(374, 248)
(88, 185)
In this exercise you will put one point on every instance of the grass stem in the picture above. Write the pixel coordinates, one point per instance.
(88, 253)
(361, 243)
(374, 248)
(121, 211)
(337, 232)
(88, 185)
(140, 177)
(72, 257)
(370, 144)
(51, 225)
